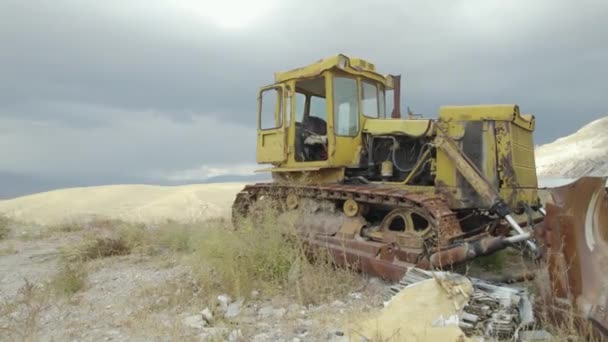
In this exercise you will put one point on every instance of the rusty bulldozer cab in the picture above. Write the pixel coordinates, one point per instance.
(433, 192)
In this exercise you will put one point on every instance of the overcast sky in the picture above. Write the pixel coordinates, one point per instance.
(166, 90)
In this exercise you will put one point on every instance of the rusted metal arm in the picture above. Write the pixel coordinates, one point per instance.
(475, 177)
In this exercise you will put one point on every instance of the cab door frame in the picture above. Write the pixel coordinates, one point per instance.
(272, 141)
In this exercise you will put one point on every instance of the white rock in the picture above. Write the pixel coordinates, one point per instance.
(194, 321)
(295, 339)
(293, 307)
(356, 295)
(255, 294)
(212, 334)
(306, 322)
(263, 325)
(338, 304)
(207, 315)
(279, 313)
(235, 335)
(263, 337)
(224, 301)
(233, 310)
(265, 311)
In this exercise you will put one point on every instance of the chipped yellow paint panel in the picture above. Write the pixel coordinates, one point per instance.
(414, 128)
(487, 112)
(353, 66)
(446, 170)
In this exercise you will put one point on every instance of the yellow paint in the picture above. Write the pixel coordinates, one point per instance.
(414, 312)
(413, 128)
(271, 143)
(507, 112)
(353, 66)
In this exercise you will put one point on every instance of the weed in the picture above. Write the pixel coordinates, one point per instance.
(492, 263)
(71, 278)
(20, 317)
(266, 254)
(178, 237)
(96, 248)
(5, 227)
(66, 227)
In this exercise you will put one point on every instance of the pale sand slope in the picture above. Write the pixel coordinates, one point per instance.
(136, 203)
(583, 153)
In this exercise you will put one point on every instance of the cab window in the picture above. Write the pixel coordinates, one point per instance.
(318, 108)
(369, 99)
(381, 103)
(389, 102)
(270, 108)
(346, 106)
(300, 105)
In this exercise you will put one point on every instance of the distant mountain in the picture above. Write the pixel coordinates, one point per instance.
(583, 153)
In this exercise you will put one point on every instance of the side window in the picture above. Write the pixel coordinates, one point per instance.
(270, 109)
(287, 111)
(300, 105)
(381, 103)
(346, 106)
(389, 104)
(318, 108)
(369, 99)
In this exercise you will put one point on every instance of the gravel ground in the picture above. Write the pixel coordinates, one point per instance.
(121, 302)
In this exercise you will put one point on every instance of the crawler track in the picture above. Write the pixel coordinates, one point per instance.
(442, 219)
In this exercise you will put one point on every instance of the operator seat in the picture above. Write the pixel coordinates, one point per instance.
(315, 125)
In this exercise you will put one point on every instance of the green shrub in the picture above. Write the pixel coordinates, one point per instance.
(266, 254)
(70, 279)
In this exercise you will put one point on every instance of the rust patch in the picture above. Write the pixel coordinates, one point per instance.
(577, 247)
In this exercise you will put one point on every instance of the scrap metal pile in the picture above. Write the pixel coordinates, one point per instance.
(490, 310)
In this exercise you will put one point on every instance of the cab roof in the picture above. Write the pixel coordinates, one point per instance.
(356, 66)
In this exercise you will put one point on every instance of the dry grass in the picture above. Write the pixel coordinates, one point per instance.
(93, 248)
(267, 255)
(557, 316)
(264, 255)
(70, 279)
(5, 227)
(66, 227)
(20, 317)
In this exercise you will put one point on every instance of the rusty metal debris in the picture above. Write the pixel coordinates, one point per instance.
(576, 239)
(491, 310)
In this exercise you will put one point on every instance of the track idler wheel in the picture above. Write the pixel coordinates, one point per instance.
(409, 227)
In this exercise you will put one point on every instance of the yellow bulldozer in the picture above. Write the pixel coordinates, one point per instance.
(389, 191)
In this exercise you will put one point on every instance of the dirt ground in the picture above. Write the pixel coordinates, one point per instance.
(138, 297)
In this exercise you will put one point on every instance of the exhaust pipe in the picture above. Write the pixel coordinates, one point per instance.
(396, 114)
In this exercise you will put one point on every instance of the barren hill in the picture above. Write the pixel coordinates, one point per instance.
(141, 203)
(583, 153)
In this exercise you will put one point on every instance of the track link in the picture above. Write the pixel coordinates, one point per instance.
(444, 220)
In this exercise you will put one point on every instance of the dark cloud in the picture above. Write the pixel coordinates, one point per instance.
(106, 78)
